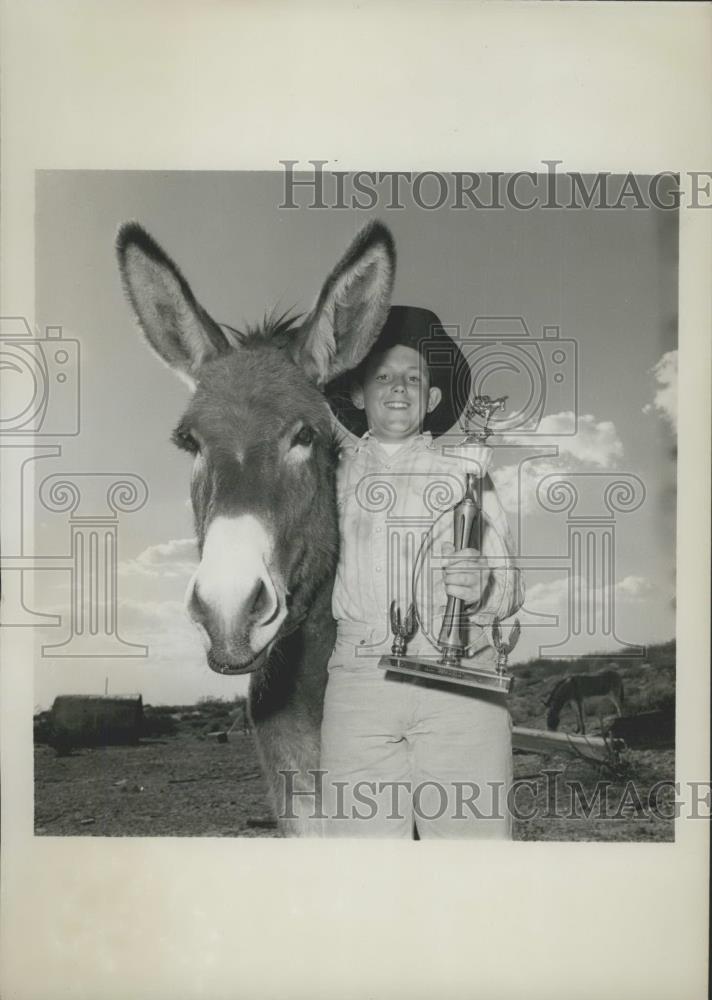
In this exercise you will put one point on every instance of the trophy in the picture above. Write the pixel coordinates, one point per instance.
(403, 631)
(452, 640)
(504, 648)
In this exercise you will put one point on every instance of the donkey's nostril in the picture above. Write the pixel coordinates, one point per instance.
(257, 599)
(262, 602)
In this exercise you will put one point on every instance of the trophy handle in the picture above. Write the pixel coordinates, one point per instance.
(467, 523)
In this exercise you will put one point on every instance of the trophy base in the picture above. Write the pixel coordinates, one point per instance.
(487, 680)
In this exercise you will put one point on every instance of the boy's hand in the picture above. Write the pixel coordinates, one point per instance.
(465, 573)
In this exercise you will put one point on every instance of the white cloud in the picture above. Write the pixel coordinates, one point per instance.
(152, 613)
(177, 558)
(634, 588)
(665, 401)
(516, 485)
(596, 442)
(595, 445)
(552, 596)
(545, 596)
(163, 626)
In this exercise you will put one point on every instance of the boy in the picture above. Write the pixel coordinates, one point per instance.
(397, 750)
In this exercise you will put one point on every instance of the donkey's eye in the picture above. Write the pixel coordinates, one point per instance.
(182, 438)
(304, 437)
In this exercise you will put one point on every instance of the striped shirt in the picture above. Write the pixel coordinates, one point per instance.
(395, 511)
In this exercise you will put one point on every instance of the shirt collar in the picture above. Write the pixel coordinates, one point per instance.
(368, 443)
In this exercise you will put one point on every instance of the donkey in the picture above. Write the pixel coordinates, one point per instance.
(575, 688)
(264, 454)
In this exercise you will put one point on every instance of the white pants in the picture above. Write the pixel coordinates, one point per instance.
(400, 752)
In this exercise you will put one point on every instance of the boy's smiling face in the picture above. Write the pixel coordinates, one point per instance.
(396, 394)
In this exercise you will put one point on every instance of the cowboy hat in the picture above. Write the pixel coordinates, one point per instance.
(420, 329)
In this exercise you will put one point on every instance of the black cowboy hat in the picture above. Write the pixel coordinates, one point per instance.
(449, 371)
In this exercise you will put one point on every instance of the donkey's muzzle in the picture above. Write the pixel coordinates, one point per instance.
(227, 670)
(234, 596)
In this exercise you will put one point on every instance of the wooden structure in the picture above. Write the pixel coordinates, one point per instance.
(95, 720)
(598, 750)
(545, 741)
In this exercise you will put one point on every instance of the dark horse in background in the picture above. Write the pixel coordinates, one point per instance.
(263, 485)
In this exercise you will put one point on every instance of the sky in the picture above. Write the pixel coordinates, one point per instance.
(606, 279)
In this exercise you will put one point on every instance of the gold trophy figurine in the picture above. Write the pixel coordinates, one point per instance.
(452, 641)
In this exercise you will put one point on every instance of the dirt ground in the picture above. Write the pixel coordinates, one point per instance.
(593, 805)
(190, 786)
(180, 782)
(177, 786)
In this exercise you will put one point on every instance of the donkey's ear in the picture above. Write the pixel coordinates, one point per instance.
(176, 326)
(351, 309)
